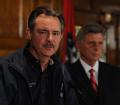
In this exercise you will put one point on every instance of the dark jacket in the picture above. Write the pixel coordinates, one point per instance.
(14, 85)
(108, 84)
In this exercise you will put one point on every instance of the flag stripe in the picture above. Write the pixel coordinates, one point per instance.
(68, 11)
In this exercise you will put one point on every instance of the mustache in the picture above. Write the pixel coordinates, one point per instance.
(49, 45)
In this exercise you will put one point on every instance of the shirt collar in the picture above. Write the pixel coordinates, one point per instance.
(51, 62)
(88, 67)
(33, 60)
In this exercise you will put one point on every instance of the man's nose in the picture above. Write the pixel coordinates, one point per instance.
(97, 46)
(50, 36)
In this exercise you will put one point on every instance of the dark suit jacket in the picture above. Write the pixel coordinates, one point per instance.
(108, 85)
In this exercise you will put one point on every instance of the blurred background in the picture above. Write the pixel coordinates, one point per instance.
(14, 15)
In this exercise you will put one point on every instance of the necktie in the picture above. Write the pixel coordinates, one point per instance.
(93, 81)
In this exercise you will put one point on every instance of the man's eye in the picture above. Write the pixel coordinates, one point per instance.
(56, 33)
(100, 43)
(43, 32)
(92, 43)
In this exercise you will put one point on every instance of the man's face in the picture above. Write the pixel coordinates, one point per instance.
(91, 47)
(46, 35)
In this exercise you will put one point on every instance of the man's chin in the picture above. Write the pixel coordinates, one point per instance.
(48, 54)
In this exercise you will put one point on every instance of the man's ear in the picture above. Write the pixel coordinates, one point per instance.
(62, 33)
(77, 43)
(28, 34)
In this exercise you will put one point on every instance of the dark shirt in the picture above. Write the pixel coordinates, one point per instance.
(40, 83)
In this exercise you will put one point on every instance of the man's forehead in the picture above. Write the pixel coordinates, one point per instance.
(43, 16)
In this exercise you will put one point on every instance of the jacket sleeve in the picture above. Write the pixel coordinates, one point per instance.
(3, 95)
(7, 90)
(70, 97)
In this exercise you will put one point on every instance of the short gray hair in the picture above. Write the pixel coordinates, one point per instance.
(48, 12)
(90, 28)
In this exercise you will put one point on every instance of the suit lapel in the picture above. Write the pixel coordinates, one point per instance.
(81, 79)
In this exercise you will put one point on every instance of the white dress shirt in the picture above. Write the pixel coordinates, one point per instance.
(88, 67)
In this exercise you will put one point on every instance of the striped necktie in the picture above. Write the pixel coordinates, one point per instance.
(92, 80)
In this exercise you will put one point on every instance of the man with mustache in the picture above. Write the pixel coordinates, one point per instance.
(34, 75)
(96, 81)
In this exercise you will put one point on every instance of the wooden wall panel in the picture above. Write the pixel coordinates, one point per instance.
(11, 43)
(13, 22)
(9, 18)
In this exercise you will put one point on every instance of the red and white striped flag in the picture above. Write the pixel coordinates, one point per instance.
(68, 50)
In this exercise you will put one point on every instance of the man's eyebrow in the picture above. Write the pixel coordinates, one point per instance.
(56, 31)
(42, 29)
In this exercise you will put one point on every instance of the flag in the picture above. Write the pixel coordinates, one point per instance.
(68, 50)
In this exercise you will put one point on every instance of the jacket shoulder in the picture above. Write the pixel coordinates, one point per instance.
(108, 66)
